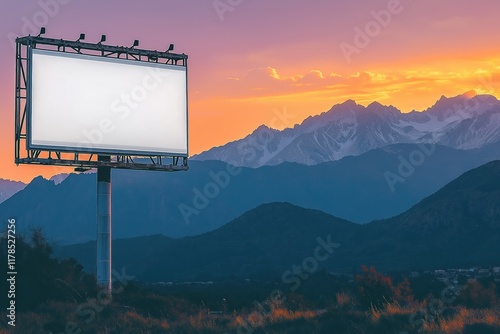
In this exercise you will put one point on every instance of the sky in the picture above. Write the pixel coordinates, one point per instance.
(254, 62)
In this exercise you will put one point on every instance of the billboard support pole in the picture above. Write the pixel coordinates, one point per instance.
(61, 152)
(103, 263)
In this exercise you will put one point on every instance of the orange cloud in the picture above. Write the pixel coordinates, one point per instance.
(268, 83)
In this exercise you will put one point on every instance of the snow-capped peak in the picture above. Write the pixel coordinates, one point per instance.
(464, 121)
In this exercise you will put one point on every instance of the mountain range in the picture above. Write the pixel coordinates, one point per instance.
(8, 188)
(371, 186)
(467, 121)
(385, 180)
(458, 226)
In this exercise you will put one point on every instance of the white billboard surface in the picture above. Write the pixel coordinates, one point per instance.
(96, 104)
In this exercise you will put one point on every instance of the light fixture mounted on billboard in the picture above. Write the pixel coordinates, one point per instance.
(88, 105)
(77, 100)
(42, 31)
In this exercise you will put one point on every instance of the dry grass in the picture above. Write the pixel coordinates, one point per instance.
(465, 317)
(346, 300)
(392, 309)
(203, 321)
(131, 319)
(395, 309)
(376, 314)
(280, 314)
(453, 325)
(256, 319)
(277, 319)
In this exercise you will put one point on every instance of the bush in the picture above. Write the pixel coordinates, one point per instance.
(477, 296)
(41, 277)
(374, 289)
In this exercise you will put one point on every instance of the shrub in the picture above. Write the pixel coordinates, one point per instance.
(374, 289)
(477, 296)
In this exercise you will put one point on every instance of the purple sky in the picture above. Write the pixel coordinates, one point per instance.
(268, 55)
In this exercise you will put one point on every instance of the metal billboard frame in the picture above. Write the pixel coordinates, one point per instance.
(104, 162)
(78, 159)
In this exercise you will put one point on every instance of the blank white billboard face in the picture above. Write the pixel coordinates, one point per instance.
(94, 104)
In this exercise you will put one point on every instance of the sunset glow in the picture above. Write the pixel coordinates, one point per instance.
(277, 63)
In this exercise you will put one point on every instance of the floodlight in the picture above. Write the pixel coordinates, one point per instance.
(42, 31)
(156, 131)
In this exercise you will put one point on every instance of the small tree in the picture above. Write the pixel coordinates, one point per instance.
(42, 277)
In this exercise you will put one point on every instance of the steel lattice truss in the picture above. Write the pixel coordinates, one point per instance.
(83, 161)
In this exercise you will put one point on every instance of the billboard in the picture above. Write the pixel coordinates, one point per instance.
(92, 104)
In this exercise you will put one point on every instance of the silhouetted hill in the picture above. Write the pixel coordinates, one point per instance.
(9, 188)
(470, 199)
(265, 239)
(457, 226)
(148, 203)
